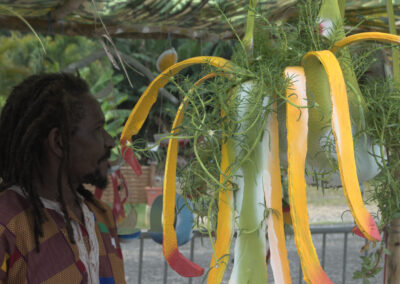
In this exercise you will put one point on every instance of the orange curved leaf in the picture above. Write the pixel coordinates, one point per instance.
(297, 131)
(273, 200)
(341, 128)
(141, 110)
(376, 36)
(176, 260)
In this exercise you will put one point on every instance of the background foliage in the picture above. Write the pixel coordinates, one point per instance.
(21, 55)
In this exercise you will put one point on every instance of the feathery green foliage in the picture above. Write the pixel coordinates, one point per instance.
(275, 47)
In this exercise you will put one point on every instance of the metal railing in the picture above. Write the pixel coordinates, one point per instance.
(323, 236)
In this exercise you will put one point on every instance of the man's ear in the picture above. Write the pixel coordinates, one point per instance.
(54, 141)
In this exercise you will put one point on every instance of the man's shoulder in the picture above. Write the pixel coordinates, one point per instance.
(11, 205)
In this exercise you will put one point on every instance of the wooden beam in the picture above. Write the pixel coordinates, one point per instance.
(65, 9)
(73, 28)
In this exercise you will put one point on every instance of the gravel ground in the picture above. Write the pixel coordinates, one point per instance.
(154, 264)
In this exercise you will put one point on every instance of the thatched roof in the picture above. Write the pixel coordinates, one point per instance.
(159, 18)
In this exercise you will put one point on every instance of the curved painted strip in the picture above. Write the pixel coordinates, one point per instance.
(381, 37)
(224, 225)
(117, 199)
(130, 158)
(297, 131)
(273, 200)
(141, 110)
(123, 202)
(341, 128)
(176, 260)
(224, 232)
(135, 121)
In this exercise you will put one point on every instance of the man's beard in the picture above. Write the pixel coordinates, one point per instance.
(96, 179)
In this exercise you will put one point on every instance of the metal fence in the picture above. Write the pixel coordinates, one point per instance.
(338, 250)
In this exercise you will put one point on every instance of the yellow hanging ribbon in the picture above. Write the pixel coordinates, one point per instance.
(273, 200)
(224, 230)
(142, 108)
(381, 37)
(341, 128)
(135, 121)
(297, 131)
(224, 233)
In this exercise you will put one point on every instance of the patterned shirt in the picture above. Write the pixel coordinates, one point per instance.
(58, 260)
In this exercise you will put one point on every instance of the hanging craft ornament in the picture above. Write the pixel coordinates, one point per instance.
(297, 130)
(166, 59)
(176, 260)
(322, 76)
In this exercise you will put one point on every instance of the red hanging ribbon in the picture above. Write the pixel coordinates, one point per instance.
(121, 177)
(118, 205)
(117, 199)
(358, 232)
(130, 158)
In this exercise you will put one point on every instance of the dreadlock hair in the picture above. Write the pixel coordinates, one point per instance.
(34, 107)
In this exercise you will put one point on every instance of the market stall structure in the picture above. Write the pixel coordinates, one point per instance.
(246, 151)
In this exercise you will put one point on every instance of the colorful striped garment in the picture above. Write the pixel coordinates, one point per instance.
(58, 260)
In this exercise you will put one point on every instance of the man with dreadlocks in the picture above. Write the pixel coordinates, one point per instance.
(52, 230)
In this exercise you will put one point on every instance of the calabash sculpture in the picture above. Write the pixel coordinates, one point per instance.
(320, 75)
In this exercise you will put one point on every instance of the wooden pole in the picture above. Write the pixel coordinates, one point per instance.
(392, 261)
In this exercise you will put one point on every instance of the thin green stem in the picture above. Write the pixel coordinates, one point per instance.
(233, 30)
(196, 152)
(209, 228)
(250, 150)
(249, 34)
(342, 8)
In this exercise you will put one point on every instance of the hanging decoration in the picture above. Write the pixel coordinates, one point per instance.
(275, 111)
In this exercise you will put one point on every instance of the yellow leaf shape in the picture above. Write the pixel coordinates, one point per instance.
(224, 230)
(273, 200)
(297, 131)
(141, 110)
(220, 258)
(166, 59)
(170, 246)
(381, 37)
(341, 128)
(224, 233)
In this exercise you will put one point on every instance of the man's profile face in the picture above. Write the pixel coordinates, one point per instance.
(90, 146)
